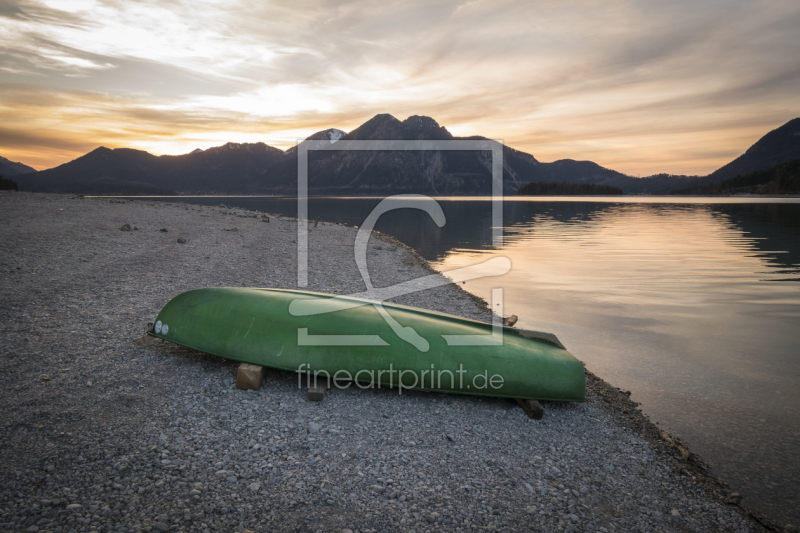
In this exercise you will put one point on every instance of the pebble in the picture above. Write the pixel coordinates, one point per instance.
(162, 441)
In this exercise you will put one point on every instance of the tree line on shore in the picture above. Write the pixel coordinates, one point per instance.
(562, 188)
(779, 179)
(7, 184)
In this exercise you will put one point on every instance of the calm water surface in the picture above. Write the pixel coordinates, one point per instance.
(692, 304)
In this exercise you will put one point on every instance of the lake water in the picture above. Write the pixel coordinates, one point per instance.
(691, 304)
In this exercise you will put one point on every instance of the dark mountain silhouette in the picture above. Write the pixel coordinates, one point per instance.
(776, 147)
(768, 167)
(10, 168)
(324, 135)
(427, 172)
(224, 169)
(780, 179)
(258, 168)
(261, 169)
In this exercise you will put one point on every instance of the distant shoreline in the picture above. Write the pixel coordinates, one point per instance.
(508, 198)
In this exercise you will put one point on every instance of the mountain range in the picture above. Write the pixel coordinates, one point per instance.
(256, 168)
(776, 147)
(10, 168)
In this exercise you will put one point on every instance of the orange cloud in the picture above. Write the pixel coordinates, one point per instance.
(641, 88)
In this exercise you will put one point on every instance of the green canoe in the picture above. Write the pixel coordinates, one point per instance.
(371, 344)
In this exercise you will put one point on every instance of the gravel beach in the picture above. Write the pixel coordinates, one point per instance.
(101, 433)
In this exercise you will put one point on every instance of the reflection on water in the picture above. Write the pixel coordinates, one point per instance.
(687, 306)
(693, 306)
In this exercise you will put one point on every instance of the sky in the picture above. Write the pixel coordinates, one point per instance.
(641, 87)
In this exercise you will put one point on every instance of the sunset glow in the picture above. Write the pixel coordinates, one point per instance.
(640, 87)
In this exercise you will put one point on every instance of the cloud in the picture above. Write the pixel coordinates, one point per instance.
(31, 11)
(641, 87)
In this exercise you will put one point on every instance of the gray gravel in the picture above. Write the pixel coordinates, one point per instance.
(98, 433)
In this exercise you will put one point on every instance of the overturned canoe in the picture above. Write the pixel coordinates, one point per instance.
(376, 345)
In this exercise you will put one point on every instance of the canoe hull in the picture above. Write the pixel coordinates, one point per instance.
(354, 340)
